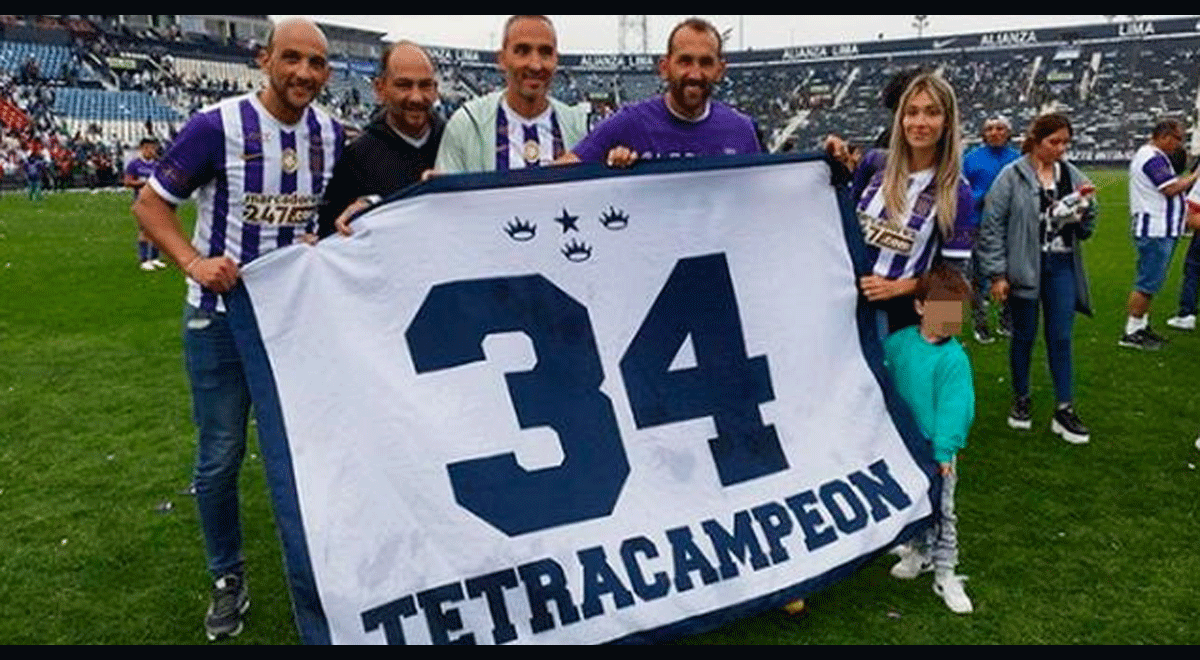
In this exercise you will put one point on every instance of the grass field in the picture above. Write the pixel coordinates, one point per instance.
(1098, 544)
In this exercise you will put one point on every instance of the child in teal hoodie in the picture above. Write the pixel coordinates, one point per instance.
(932, 374)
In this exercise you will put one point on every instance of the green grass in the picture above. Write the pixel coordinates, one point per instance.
(1094, 544)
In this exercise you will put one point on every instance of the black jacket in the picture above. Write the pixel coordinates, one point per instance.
(379, 162)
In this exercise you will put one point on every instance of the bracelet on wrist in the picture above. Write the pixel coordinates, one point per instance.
(188, 269)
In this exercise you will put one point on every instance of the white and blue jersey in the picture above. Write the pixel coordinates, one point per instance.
(903, 251)
(1153, 213)
(258, 181)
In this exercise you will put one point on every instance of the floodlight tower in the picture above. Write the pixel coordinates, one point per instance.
(633, 34)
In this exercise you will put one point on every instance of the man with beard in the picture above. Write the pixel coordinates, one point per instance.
(683, 123)
(258, 164)
(520, 126)
(397, 148)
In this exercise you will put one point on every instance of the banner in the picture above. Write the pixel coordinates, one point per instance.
(577, 405)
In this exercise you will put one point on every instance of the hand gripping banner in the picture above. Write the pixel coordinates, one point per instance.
(577, 405)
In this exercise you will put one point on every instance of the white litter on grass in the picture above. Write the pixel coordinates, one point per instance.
(1191, 466)
(64, 542)
(893, 615)
(111, 456)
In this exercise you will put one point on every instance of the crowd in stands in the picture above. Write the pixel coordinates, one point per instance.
(58, 95)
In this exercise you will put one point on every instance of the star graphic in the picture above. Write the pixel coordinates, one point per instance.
(568, 221)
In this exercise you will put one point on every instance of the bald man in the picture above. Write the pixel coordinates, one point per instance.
(258, 164)
(396, 148)
(520, 126)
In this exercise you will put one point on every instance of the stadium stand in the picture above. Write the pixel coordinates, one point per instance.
(106, 81)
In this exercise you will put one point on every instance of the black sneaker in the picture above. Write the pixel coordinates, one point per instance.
(1142, 340)
(1066, 424)
(983, 335)
(230, 600)
(1154, 336)
(1020, 416)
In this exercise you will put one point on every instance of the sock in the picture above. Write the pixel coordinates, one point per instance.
(143, 251)
(153, 251)
(1134, 324)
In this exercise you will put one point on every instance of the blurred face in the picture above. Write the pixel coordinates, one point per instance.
(996, 134)
(924, 122)
(296, 66)
(1053, 147)
(691, 70)
(408, 90)
(149, 151)
(941, 319)
(529, 58)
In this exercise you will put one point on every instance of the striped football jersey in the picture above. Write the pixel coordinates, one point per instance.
(258, 182)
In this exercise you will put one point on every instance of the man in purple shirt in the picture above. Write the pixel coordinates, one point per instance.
(683, 123)
(137, 173)
(34, 166)
(258, 164)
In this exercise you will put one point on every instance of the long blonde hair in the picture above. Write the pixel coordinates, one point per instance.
(948, 158)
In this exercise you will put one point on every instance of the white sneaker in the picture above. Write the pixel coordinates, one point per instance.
(146, 265)
(950, 587)
(157, 263)
(1182, 322)
(911, 564)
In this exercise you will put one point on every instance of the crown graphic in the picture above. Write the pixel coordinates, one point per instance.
(520, 230)
(577, 252)
(614, 220)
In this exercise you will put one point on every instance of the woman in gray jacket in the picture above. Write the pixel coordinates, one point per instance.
(1036, 216)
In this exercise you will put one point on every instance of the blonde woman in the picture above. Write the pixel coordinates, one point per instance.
(918, 208)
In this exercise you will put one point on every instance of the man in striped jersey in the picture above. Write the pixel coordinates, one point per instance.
(1157, 209)
(520, 126)
(258, 164)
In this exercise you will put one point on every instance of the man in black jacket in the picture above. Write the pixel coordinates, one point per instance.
(397, 148)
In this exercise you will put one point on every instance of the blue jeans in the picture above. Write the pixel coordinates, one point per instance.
(1058, 298)
(221, 407)
(1191, 279)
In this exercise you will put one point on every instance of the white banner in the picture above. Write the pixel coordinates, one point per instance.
(586, 408)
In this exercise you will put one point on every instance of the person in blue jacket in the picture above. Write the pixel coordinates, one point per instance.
(981, 167)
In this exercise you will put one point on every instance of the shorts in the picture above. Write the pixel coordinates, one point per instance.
(1154, 260)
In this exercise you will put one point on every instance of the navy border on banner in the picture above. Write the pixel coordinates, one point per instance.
(273, 440)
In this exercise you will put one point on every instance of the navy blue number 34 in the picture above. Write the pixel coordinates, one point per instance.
(563, 391)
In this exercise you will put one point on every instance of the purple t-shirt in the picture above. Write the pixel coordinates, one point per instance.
(33, 167)
(140, 169)
(650, 129)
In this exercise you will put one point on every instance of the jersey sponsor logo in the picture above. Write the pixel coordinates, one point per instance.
(289, 209)
(887, 235)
